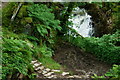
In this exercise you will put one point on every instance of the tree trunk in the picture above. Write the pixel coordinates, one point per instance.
(65, 17)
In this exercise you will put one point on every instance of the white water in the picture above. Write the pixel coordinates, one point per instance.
(81, 22)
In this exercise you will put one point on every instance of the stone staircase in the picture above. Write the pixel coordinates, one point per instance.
(51, 73)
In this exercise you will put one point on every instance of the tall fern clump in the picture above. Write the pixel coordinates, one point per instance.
(44, 28)
(44, 24)
(16, 56)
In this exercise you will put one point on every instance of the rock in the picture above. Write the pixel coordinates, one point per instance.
(82, 71)
(86, 76)
(56, 70)
(39, 72)
(41, 67)
(32, 62)
(65, 73)
(37, 68)
(77, 76)
(36, 64)
(48, 74)
(53, 76)
(70, 77)
(44, 72)
(47, 69)
(50, 77)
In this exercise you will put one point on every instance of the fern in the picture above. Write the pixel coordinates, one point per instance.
(43, 21)
(16, 56)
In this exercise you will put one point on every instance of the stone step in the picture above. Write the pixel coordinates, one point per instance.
(44, 72)
(33, 62)
(39, 71)
(37, 65)
(48, 74)
(65, 73)
(77, 76)
(55, 70)
(47, 69)
(52, 76)
(42, 68)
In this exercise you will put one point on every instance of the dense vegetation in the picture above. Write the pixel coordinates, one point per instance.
(37, 27)
(105, 48)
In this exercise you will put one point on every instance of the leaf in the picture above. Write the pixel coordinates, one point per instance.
(50, 41)
(39, 30)
(44, 31)
(33, 38)
(59, 28)
(108, 75)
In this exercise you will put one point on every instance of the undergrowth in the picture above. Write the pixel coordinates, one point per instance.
(105, 48)
(113, 74)
(50, 63)
(16, 56)
(32, 39)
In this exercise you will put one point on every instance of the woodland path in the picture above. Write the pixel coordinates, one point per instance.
(81, 64)
(78, 61)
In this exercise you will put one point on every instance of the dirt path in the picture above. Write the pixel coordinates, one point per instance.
(78, 61)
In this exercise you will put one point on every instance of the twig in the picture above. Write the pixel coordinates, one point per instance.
(14, 14)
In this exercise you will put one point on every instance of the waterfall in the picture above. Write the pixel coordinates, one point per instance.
(81, 22)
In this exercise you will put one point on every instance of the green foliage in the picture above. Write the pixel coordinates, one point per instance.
(117, 18)
(46, 51)
(28, 19)
(114, 73)
(16, 55)
(105, 48)
(42, 51)
(43, 15)
(18, 51)
(7, 13)
(43, 22)
(22, 12)
(49, 63)
(0, 71)
(21, 19)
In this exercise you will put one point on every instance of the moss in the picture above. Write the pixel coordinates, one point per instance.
(22, 11)
(7, 12)
(23, 22)
(28, 19)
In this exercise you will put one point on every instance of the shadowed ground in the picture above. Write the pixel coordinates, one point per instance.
(78, 61)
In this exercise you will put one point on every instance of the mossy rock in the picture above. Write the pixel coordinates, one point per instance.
(28, 19)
